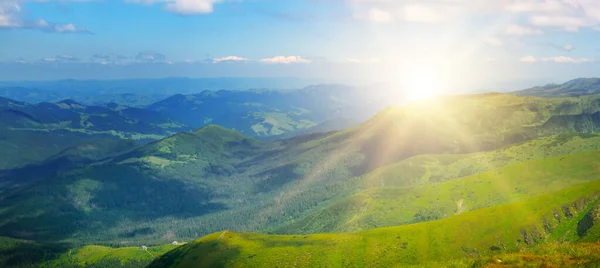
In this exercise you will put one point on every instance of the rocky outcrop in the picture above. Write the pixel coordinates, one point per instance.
(549, 223)
(589, 220)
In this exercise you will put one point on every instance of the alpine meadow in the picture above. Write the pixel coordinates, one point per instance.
(299, 133)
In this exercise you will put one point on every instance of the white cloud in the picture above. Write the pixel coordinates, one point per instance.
(229, 58)
(375, 15)
(518, 30)
(285, 60)
(189, 7)
(569, 15)
(557, 59)
(528, 59)
(109, 59)
(8, 14)
(421, 13)
(150, 57)
(571, 24)
(535, 6)
(11, 16)
(42, 23)
(568, 47)
(183, 7)
(65, 28)
(60, 58)
(563, 59)
(492, 41)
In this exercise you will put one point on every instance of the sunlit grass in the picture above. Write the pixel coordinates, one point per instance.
(486, 232)
(391, 206)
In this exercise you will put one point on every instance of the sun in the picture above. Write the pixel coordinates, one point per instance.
(423, 84)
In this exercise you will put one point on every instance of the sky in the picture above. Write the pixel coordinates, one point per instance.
(460, 44)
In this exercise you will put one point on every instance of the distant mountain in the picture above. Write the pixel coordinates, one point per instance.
(256, 112)
(211, 179)
(135, 92)
(272, 113)
(573, 88)
(32, 132)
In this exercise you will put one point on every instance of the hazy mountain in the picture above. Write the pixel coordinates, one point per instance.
(272, 113)
(135, 92)
(261, 113)
(573, 88)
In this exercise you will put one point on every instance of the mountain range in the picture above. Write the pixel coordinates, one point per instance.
(463, 180)
(267, 114)
(136, 92)
(574, 88)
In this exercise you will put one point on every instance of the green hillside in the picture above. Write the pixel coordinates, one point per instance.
(505, 228)
(80, 154)
(464, 124)
(195, 183)
(30, 133)
(425, 188)
(24, 253)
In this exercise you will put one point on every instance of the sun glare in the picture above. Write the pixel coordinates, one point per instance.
(423, 84)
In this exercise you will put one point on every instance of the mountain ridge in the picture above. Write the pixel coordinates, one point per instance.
(573, 88)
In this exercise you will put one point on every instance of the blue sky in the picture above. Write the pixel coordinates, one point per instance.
(467, 44)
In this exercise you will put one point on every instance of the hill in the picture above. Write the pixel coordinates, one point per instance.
(30, 133)
(574, 88)
(84, 152)
(200, 182)
(253, 112)
(269, 112)
(426, 187)
(25, 253)
(463, 124)
(489, 231)
(136, 185)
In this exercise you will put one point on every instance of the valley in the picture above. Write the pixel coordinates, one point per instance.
(457, 181)
(299, 133)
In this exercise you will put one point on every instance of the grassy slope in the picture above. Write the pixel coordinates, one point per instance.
(110, 257)
(487, 231)
(24, 253)
(30, 133)
(419, 188)
(102, 196)
(543, 255)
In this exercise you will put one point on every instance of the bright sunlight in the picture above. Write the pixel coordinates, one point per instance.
(424, 83)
